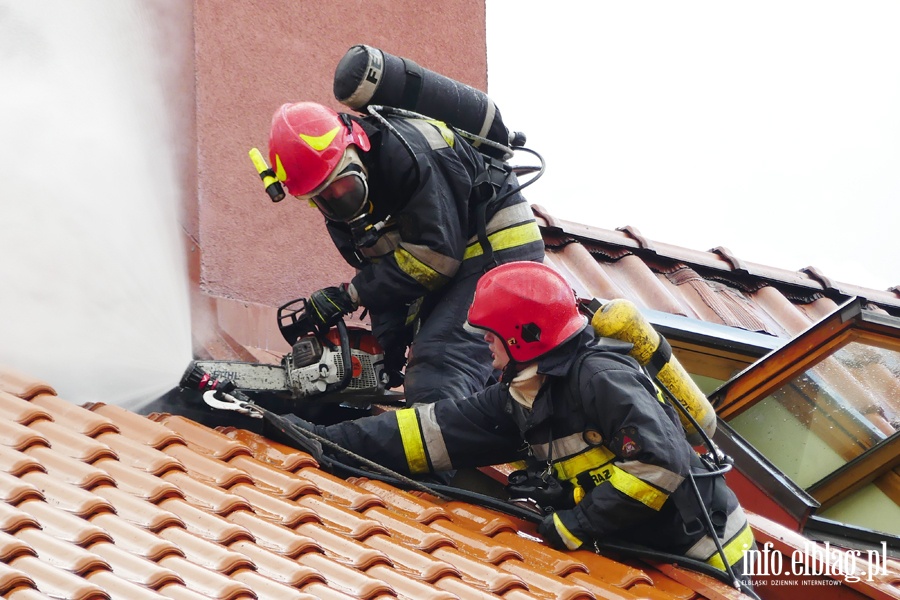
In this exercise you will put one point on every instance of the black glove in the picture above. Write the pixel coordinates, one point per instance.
(556, 534)
(330, 304)
(394, 361)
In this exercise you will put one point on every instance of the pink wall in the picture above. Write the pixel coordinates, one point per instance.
(250, 58)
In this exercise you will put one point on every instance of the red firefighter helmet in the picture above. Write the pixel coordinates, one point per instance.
(528, 305)
(307, 142)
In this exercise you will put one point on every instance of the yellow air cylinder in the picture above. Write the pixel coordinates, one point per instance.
(620, 319)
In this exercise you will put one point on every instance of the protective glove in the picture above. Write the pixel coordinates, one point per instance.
(556, 534)
(394, 361)
(331, 303)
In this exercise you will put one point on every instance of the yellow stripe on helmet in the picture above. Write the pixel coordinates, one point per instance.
(320, 142)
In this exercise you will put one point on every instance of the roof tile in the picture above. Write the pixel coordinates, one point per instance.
(139, 455)
(134, 568)
(13, 490)
(343, 520)
(414, 563)
(74, 417)
(474, 544)
(69, 470)
(21, 385)
(274, 508)
(412, 507)
(265, 588)
(270, 452)
(409, 532)
(61, 554)
(277, 567)
(343, 578)
(202, 439)
(274, 537)
(206, 524)
(206, 553)
(21, 411)
(118, 587)
(408, 587)
(135, 426)
(12, 547)
(482, 575)
(72, 443)
(13, 518)
(19, 437)
(56, 582)
(139, 483)
(63, 525)
(205, 581)
(340, 491)
(70, 498)
(345, 550)
(11, 579)
(541, 583)
(270, 479)
(138, 511)
(134, 539)
(204, 495)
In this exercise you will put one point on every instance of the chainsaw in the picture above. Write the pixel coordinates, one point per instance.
(329, 365)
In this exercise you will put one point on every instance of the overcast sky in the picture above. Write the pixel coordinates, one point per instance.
(770, 128)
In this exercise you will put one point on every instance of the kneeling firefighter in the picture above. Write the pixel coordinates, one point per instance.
(607, 458)
(417, 209)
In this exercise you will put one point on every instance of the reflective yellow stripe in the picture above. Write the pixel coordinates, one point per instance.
(507, 238)
(633, 487)
(320, 142)
(734, 550)
(418, 270)
(596, 462)
(571, 542)
(411, 437)
(586, 461)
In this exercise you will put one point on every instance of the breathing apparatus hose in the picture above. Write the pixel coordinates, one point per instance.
(376, 110)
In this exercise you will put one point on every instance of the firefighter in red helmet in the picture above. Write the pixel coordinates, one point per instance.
(421, 215)
(607, 458)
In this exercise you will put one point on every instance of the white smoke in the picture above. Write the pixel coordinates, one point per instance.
(93, 279)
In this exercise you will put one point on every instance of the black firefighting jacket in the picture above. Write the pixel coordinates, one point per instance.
(429, 189)
(610, 438)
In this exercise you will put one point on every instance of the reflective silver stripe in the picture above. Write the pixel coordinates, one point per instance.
(562, 447)
(369, 84)
(706, 546)
(434, 439)
(488, 118)
(658, 476)
(506, 217)
(443, 264)
(429, 130)
(386, 244)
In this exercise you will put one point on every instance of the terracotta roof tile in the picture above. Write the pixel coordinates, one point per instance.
(19, 384)
(72, 443)
(13, 518)
(192, 512)
(270, 479)
(74, 417)
(19, 437)
(63, 525)
(15, 409)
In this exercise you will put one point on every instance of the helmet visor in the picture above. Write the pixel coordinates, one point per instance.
(346, 195)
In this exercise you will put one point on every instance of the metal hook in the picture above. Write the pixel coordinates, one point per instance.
(225, 401)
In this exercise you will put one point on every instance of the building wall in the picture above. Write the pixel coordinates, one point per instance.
(250, 58)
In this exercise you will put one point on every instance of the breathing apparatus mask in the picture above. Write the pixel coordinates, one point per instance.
(344, 198)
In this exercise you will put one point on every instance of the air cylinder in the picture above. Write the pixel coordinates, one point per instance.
(621, 319)
(369, 76)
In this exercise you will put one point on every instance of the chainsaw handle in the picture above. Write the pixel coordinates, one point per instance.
(344, 339)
